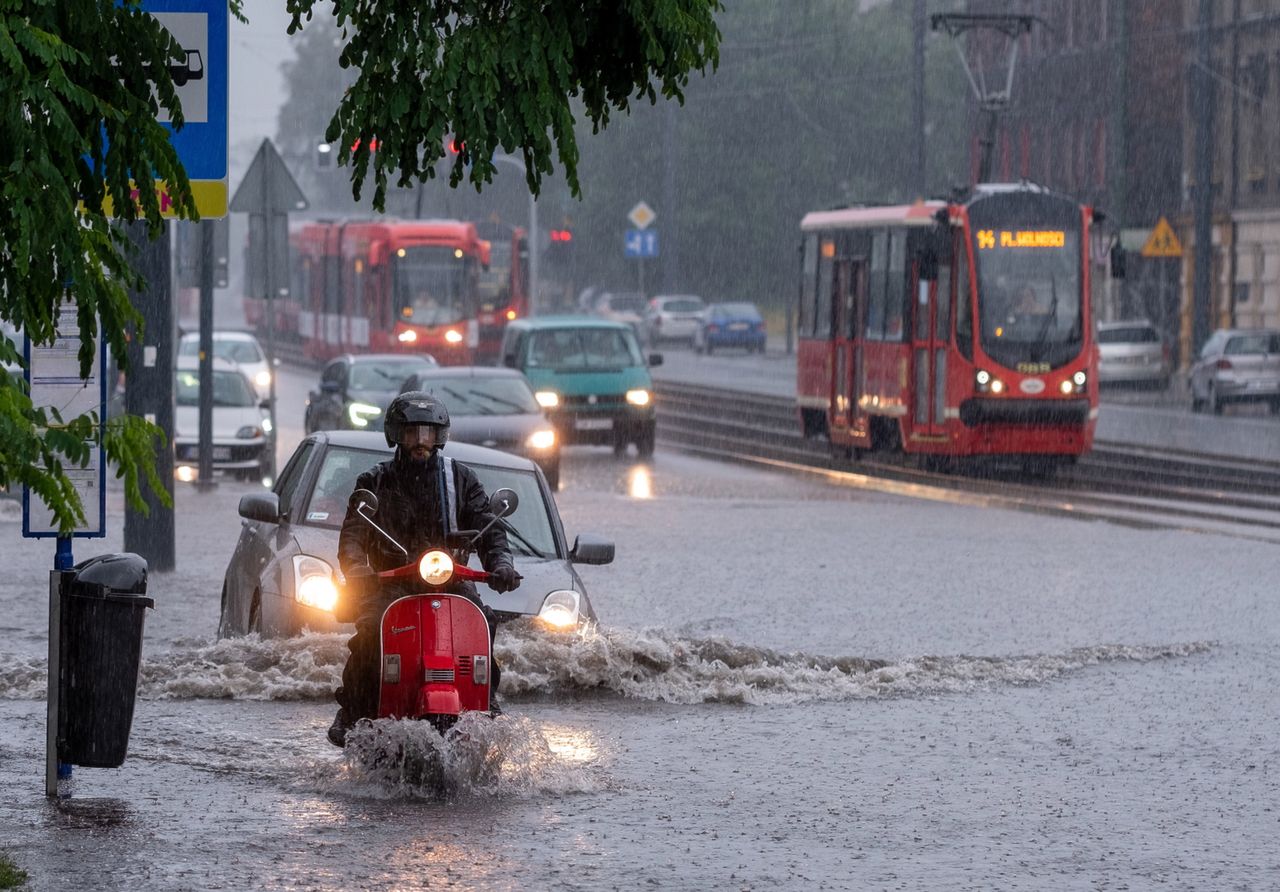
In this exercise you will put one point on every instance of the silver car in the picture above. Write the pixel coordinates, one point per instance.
(1132, 353)
(673, 317)
(1237, 366)
(283, 576)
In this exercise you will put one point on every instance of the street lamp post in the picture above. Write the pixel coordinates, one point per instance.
(533, 236)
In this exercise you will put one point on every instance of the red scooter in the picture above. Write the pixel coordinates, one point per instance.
(435, 654)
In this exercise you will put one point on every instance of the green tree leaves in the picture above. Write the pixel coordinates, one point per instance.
(500, 77)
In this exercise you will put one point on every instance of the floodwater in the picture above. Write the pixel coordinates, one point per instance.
(792, 686)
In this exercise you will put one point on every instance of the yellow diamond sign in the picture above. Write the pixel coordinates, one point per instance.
(1162, 242)
(641, 216)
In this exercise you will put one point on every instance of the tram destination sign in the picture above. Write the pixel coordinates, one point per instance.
(993, 239)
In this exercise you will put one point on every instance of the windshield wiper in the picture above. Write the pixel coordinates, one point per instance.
(497, 399)
(1050, 319)
(502, 521)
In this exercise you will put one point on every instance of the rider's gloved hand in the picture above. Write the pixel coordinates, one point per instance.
(504, 578)
(359, 571)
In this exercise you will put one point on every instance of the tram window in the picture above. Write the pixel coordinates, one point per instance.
(876, 285)
(332, 292)
(357, 287)
(808, 284)
(942, 317)
(822, 307)
(895, 286)
(964, 306)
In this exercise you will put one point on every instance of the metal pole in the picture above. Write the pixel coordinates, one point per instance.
(204, 477)
(534, 249)
(270, 292)
(918, 185)
(671, 280)
(1202, 114)
(54, 770)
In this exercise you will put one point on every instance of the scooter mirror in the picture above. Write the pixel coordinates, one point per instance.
(503, 502)
(366, 497)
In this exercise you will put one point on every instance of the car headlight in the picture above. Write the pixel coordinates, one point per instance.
(543, 439)
(360, 413)
(249, 432)
(547, 399)
(435, 568)
(560, 609)
(638, 397)
(185, 473)
(266, 425)
(262, 379)
(313, 582)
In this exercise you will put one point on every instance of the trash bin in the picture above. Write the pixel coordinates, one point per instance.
(103, 603)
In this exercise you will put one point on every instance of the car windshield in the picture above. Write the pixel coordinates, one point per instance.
(741, 311)
(342, 465)
(584, 348)
(224, 348)
(465, 395)
(626, 303)
(1136, 334)
(385, 374)
(229, 389)
(1245, 344)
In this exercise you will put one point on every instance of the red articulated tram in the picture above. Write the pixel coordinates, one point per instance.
(950, 330)
(420, 286)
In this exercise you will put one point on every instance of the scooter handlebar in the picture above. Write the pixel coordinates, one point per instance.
(410, 571)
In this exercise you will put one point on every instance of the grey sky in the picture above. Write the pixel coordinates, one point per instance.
(256, 86)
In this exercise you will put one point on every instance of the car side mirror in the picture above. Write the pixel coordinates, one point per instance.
(1118, 261)
(503, 502)
(330, 387)
(655, 359)
(260, 506)
(588, 549)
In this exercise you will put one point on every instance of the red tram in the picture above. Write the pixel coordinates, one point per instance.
(422, 286)
(950, 330)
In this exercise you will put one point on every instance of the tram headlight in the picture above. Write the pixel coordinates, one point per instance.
(408, 336)
(1068, 387)
(1080, 379)
(435, 567)
(360, 413)
(997, 386)
(560, 609)
(982, 381)
(453, 336)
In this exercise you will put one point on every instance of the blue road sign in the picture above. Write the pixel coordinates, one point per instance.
(641, 243)
(202, 27)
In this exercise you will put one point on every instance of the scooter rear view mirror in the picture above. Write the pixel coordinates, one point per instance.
(365, 499)
(503, 502)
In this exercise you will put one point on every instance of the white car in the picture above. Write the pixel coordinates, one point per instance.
(239, 347)
(242, 434)
(673, 317)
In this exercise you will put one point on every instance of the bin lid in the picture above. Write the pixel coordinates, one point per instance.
(120, 573)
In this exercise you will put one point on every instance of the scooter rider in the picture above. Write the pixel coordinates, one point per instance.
(413, 507)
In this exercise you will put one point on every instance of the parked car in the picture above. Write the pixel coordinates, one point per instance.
(623, 306)
(673, 317)
(590, 376)
(494, 407)
(239, 347)
(730, 325)
(1237, 366)
(242, 436)
(1133, 353)
(282, 577)
(355, 389)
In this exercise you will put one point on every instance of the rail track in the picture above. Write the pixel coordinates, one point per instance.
(1115, 482)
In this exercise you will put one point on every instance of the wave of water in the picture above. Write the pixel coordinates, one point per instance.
(652, 665)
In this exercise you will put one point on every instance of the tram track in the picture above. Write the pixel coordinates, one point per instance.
(1115, 482)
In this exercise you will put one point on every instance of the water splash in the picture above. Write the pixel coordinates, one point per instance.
(651, 665)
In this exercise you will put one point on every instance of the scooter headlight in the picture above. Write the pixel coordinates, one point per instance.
(313, 583)
(435, 568)
(560, 609)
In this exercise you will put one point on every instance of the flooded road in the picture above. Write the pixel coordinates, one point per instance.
(792, 686)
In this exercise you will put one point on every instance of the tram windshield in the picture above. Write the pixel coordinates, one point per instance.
(1030, 306)
(434, 285)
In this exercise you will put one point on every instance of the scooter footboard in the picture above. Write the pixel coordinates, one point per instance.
(435, 657)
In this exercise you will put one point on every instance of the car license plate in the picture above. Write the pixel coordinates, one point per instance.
(222, 453)
(738, 326)
(593, 424)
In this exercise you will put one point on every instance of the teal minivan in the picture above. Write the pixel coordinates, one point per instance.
(590, 377)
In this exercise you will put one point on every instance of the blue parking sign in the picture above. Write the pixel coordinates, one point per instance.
(640, 243)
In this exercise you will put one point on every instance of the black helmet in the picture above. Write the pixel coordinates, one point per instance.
(416, 407)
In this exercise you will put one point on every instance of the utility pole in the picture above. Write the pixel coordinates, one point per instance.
(1202, 114)
(918, 23)
(670, 252)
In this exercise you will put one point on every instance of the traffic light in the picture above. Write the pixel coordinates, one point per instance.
(324, 156)
(559, 253)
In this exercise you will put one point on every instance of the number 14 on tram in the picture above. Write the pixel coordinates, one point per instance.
(950, 329)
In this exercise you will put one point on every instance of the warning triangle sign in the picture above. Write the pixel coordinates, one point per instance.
(1162, 242)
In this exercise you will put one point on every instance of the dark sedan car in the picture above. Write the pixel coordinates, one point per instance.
(730, 325)
(356, 388)
(496, 408)
(283, 575)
